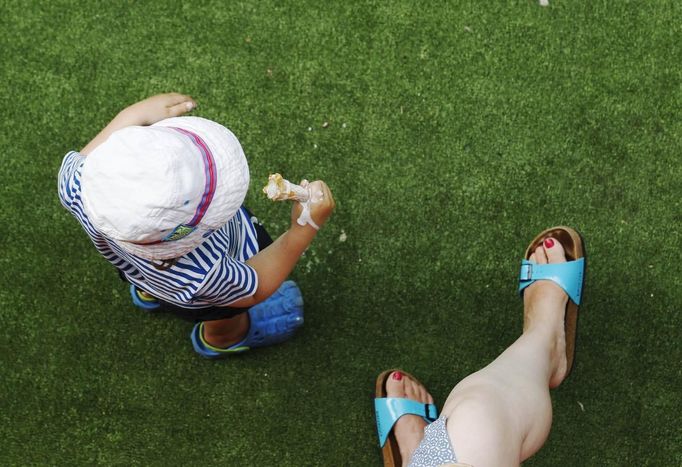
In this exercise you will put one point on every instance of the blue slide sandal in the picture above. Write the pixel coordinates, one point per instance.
(141, 301)
(388, 410)
(570, 276)
(272, 321)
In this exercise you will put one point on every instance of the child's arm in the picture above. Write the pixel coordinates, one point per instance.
(274, 263)
(146, 112)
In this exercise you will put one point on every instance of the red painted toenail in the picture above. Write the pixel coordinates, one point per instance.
(397, 376)
(549, 243)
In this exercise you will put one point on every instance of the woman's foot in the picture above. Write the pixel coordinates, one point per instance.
(409, 429)
(545, 307)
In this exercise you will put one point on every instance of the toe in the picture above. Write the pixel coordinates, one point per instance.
(415, 391)
(395, 385)
(540, 256)
(554, 250)
(424, 396)
(400, 385)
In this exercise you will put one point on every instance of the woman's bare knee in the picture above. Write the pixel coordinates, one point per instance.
(480, 425)
(493, 422)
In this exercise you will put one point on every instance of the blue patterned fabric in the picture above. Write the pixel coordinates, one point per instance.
(435, 448)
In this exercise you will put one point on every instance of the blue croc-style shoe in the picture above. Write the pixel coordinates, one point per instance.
(387, 411)
(142, 300)
(570, 276)
(274, 320)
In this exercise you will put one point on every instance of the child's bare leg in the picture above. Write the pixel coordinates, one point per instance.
(502, 414)
(226, 332)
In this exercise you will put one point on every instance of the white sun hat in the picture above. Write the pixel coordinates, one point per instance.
(158, 191)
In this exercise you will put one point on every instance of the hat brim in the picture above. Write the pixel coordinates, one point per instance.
(167, 250)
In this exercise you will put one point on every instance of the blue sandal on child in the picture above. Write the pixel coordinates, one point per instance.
(272, 321)
(143, 300)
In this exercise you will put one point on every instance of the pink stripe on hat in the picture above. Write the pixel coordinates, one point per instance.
(210, 172)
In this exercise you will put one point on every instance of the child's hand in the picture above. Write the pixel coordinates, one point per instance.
(319, 210)
(157, 108)
(274, 263)
(146, 112)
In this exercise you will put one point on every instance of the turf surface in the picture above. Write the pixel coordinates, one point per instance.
(457, 131)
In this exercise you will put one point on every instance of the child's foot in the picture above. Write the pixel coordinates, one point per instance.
(227, 332)
(269, 322)
(145, 296)
(142, 299)
(409, 429)
(545, 307)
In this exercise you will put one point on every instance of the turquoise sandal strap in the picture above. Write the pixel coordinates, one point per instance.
(568, 276)
(389, 409)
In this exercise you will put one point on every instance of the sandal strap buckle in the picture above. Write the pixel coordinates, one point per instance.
(526, 272)
(429, 414)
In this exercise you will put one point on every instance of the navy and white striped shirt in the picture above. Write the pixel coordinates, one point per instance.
(213, 274)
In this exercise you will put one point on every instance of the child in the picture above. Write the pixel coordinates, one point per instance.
(161, 198)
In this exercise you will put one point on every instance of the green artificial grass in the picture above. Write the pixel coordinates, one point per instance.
(456, 132)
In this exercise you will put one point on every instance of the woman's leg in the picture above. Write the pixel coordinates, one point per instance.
(502, 414)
